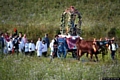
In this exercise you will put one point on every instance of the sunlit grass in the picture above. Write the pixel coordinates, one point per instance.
(21, 67)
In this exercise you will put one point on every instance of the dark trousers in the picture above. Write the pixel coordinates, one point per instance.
(44, 54)
(26, 53)
(32, 53)
(9, 52)
(113, 55)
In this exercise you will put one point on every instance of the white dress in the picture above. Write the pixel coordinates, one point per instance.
(39, 48)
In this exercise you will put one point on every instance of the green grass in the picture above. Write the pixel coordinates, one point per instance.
(37, 17)
(21, 67)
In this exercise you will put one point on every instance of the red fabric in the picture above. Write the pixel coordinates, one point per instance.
(71, 42)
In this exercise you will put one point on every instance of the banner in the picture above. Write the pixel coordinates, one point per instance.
(71, 42)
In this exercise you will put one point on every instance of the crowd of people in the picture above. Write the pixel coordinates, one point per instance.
(19, 43)
(110, 43)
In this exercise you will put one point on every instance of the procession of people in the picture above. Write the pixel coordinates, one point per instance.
(19, 43)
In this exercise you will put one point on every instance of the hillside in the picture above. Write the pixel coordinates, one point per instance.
(98, 17)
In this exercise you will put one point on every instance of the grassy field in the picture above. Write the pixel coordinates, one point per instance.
(21, 67)
(100, 18)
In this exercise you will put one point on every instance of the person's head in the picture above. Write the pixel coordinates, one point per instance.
(43, 41)
(72, 8)
(6, 34)
(20, 34)
(106, 38)
(56, 36)
(31, 41)
(113, 38)
(46, 35)
(39, 39)
(75, 25)
(1, 34)
(24, 35)
(112, 41)
(100, 39)
(94, 39)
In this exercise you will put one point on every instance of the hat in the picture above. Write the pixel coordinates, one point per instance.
(15, 29)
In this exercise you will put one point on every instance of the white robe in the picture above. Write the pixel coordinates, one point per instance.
(45, 47)
(39, 48)
(31, 47)
(10, 45)
(21, 46)
(26, 47)
(51, 46)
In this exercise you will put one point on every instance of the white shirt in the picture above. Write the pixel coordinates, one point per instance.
(10, 45)
(31, 47)
(24, 39)
(113, 46)
(45, 47)
(51, 45)
(21, 46)
(26, 47)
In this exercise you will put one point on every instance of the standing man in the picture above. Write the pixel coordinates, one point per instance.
(54, 47)
(113, 48)
(47, 40)
(2, 41)
(15, 44)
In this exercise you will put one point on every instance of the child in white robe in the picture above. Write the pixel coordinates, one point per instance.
(10, 46)
(31, 48)
(27, 48)
(39, 47)
(44, 50)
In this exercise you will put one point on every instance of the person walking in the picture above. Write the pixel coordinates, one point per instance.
(26, 47)
(47, 40)
(113, 48)
(31, 48)
(10, 46)
(39, 47)
(54, 47)
(2, 42)
(44, 50)
(21, 45)
(15, 44)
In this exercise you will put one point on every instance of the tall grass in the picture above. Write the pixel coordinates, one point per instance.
(26, 15)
